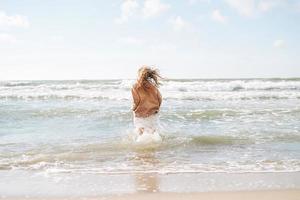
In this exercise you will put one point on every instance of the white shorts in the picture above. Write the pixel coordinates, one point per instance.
(150, 126)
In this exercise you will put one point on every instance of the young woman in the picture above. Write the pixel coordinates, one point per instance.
(146, 104)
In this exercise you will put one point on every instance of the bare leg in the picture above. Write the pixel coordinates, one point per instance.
(141, 131)
(152, 130)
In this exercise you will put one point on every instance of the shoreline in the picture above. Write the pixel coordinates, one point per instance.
(232, 195)
(286, 194)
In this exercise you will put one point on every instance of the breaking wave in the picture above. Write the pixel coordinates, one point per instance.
(172, 89)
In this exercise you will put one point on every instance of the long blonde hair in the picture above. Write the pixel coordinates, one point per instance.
(148, 75)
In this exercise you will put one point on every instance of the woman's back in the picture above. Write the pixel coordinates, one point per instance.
(147, 100)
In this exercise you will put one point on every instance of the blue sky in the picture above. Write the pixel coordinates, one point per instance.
(103, 39)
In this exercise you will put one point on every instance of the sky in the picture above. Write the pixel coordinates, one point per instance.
(109, 39)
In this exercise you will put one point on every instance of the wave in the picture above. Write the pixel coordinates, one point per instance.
(233, 85)
(178, 85)
(116, 95)
(219, 140)
(171, 90)
(249, 166)
(92, 159)
(105, 156)
(166, 115)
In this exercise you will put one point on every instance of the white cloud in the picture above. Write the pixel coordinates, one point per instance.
(249, 7)
(192, 2)
(150, 9)
(217, 16)
(266, 5)
(131, 40)
(57, 38)
(7, 21)
(7, 38)
(128, 8)
(243, 7)
(279, 44)
(153, 8)
(178, 23)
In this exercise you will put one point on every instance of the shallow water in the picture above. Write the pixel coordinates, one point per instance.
(81, 126)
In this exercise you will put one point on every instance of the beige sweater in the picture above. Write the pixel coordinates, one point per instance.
(146, 101)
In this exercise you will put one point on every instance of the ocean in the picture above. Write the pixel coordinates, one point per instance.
(208, 126)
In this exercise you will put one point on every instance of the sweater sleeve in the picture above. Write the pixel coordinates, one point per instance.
(136, 98)
(159, 97)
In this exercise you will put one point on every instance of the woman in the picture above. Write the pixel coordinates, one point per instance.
(146, 104)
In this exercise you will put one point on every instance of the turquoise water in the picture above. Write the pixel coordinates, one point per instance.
(80, 126)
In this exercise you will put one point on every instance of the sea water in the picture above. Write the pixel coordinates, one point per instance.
(207, 126)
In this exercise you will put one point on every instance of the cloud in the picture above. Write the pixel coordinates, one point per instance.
(18, 21)
(131, 40)
(57, 38)
(153, 8)
(279, 44)
(178, 23)
(249, 7)
(150, 9)
(7, 38)
(192, 2)
(128, 8)
(217, 16)
(243, 7)
(266, 5)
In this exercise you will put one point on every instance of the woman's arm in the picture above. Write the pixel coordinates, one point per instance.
(159, 97)
(136, 98)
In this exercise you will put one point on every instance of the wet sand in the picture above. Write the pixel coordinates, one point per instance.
(215, 186)
(245, 195)
(238, 195)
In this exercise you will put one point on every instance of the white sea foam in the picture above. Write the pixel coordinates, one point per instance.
(173, 89)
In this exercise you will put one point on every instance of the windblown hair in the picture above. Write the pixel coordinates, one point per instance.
(148, 75)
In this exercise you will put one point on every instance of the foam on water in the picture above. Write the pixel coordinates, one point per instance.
(172, 89)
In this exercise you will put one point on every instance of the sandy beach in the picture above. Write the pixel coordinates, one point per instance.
(245, 195)
(151, 186)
